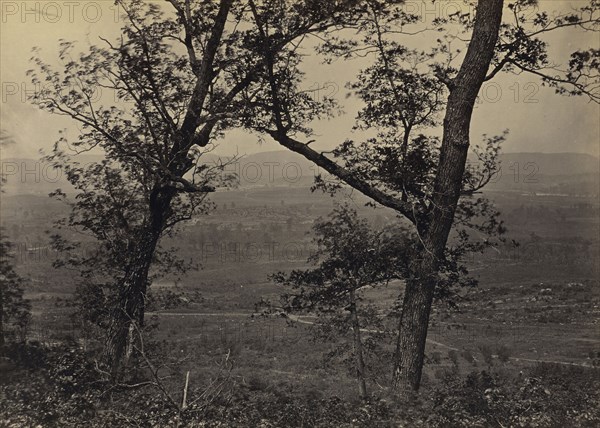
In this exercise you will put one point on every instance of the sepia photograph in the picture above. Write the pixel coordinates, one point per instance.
(300, 213)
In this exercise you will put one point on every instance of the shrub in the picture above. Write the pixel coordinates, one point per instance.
(546, 396)
(503, 353)
(453, 356)
(435, 358)
(486, 353)
(468, 356)
(54, 386)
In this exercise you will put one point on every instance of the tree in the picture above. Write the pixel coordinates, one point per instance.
(177, 87)
(181, 77)
(350, 256)
(405, 89)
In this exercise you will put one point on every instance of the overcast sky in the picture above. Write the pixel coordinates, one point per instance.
(538, 119)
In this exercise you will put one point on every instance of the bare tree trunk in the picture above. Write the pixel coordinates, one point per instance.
(128, 309)
(358, 350)
(410, 347)
(419, 291)
(130, 305)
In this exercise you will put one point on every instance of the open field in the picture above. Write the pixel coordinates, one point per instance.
(540, 308)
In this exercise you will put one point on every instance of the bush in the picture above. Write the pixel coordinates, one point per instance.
(486, 353)
(435, 358)
(545, 397)
(62, 387)
(52, 387)
(503, 353)
(453, 356)
(468, 357)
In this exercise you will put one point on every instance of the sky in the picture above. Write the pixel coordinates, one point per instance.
(538, 120)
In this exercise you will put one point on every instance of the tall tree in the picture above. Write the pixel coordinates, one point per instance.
(447, 187)
(176, 84)
(179, 75)
(405, 89)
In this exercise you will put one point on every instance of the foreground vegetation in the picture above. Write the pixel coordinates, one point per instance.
(63, 386)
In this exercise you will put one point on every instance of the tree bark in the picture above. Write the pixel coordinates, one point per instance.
(414, 321)
(358, 350)
(130, 304)
(418, 295)
(129, 307)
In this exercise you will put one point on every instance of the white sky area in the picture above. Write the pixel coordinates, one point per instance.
(538, 120)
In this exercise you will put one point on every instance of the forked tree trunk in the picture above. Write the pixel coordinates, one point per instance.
(358, 350)
(418, 297)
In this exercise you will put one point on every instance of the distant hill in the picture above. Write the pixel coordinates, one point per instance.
(528, 172)
(553, 173)
(278, 168)
(31, 177)
(558, 164)
(274, 168)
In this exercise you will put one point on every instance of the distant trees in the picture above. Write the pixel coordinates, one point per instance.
(350, 256)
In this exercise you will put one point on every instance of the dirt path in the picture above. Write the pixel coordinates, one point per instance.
(200, 314)
(300, 320)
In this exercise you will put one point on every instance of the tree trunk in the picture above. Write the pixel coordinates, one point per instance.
(358, 351)
(419, 291)
(410, 346)
(129, 307)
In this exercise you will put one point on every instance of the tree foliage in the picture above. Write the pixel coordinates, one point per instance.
(350, 255)
(350, 258)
